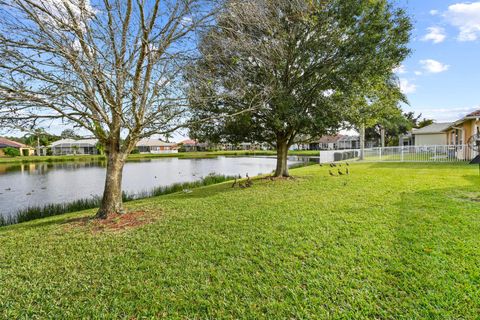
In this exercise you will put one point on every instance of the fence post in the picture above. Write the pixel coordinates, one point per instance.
(401, 154)
(380, 153)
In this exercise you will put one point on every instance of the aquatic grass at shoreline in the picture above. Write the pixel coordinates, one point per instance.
(54, 209)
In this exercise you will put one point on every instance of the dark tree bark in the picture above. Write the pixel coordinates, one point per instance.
(282, 153)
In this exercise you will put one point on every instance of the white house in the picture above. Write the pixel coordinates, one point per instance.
(156, 146)
(72, 146)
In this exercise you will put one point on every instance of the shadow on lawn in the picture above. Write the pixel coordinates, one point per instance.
(420, 165)
(433, 265)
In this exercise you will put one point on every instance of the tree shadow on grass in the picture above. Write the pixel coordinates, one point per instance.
(433, 269)
(420, 165)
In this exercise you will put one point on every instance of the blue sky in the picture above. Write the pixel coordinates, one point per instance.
(441, 77)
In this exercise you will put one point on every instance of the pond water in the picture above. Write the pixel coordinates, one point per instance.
(38, 184)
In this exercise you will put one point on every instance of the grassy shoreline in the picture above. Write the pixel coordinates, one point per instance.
(133, 157)
(388, 241)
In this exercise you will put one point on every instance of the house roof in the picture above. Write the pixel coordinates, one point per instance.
(4, 143)
(154, 143)
(73, 142)
(433, 128)
(475, 113)
(350, 138)
(189, 142)
(330, 139)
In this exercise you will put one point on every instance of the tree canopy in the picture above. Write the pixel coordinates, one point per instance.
(295, 64)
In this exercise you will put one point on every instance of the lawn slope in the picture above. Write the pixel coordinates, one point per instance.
(388, 241)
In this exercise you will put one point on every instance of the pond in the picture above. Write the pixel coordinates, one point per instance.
(38, 184)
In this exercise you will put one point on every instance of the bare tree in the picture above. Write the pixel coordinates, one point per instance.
(114, 68)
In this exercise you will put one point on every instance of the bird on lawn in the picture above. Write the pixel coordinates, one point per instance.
(249, 182)
(347, 163)
(331, 173)
(234, 182)
(347, 171)
(340, 172)
(331, 165)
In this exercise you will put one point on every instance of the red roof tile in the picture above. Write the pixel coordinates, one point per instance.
(9, 143)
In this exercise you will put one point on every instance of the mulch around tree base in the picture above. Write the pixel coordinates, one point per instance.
(114, 222)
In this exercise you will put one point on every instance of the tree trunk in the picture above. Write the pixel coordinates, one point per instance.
(362, 141)
(282, 153)
(112, 193)
(382, 137)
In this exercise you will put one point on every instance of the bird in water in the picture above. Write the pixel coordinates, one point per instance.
(29, 194)
(8, 189)
(44, 188)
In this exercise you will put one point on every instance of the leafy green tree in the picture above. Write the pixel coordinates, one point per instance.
(373, 104)
(425, 122)
(291, 64)
(69, 134)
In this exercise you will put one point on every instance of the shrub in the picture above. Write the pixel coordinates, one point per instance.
(11, 152)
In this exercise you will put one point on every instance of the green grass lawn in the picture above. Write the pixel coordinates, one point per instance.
(389, 241)
(200, 154)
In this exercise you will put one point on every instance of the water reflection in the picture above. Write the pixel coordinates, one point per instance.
(37, 184)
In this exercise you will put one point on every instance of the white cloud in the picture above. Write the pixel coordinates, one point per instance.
(433, 66)
(466, 17)
(435, 34)
(434, 12)
(406, 86)
(418, 73)
(400, 69)
(446, 114)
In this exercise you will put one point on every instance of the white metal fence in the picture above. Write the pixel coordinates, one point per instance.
(338, 155)
(437, 153)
